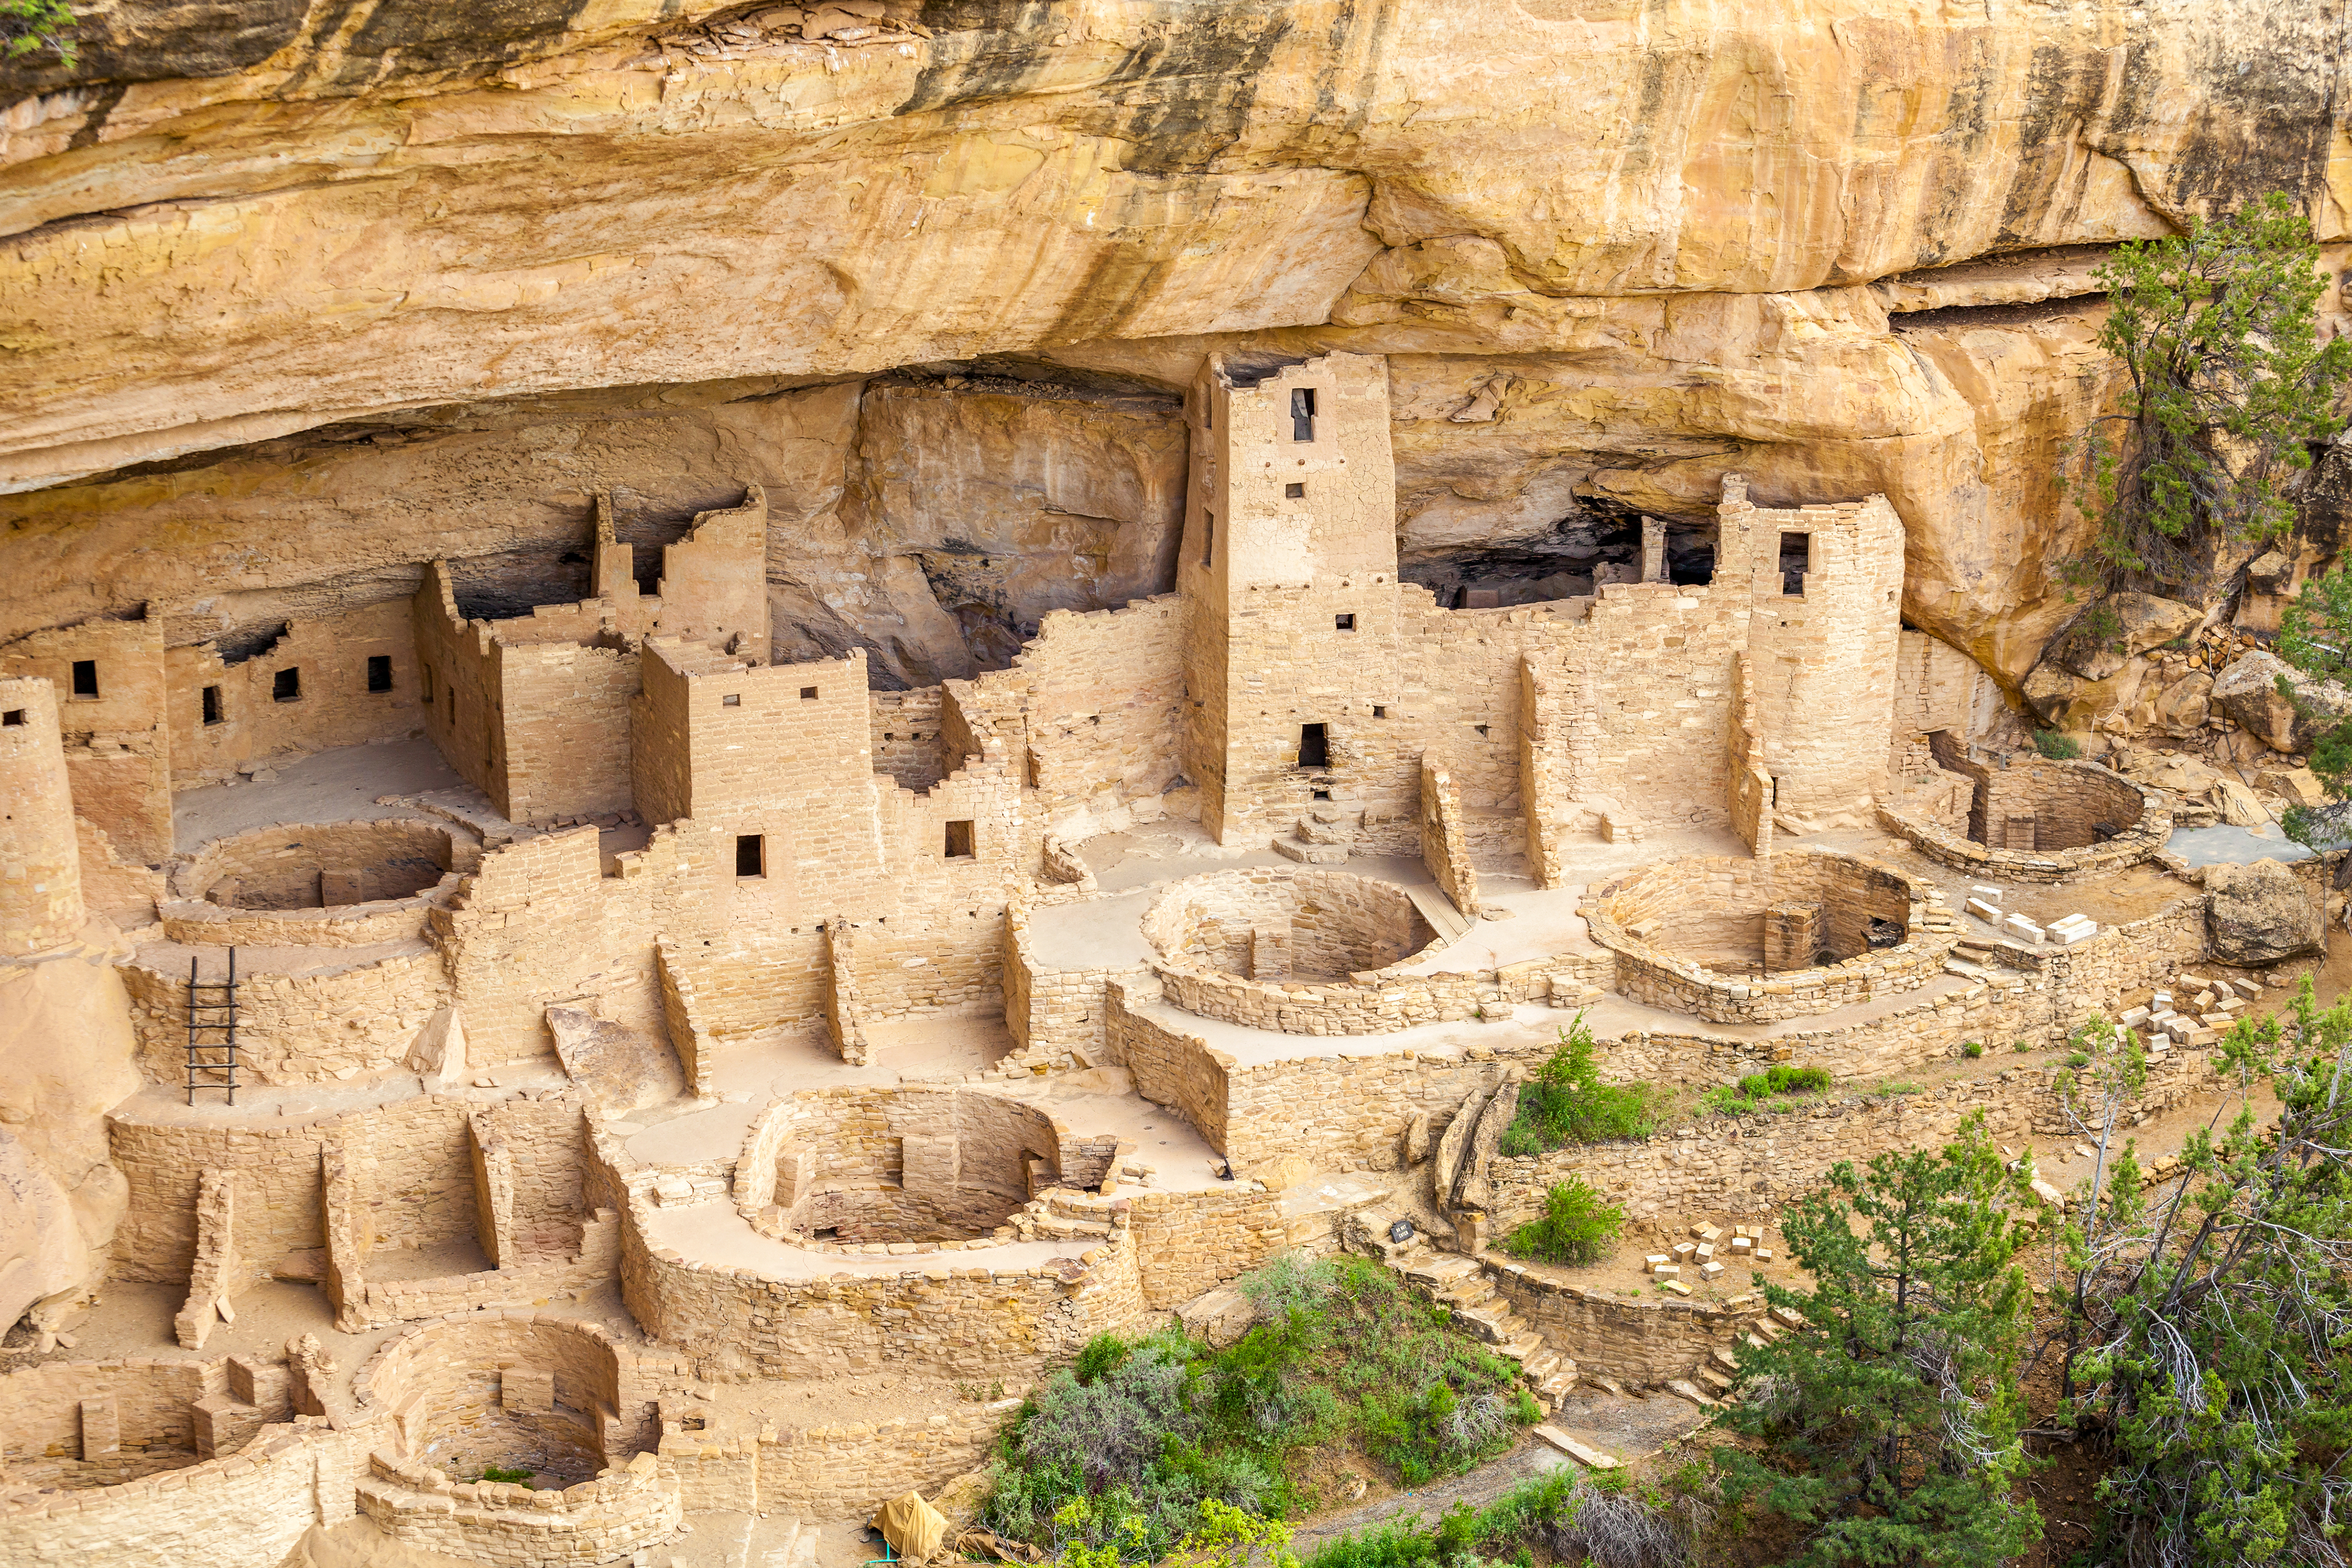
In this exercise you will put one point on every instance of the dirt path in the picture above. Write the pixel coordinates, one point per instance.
(1628, 1426)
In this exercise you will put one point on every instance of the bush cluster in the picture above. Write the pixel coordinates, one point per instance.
(1131, 1446)
(1565, 1102)
(1577, 1226)
(1596, 1518)
(1768, 1091)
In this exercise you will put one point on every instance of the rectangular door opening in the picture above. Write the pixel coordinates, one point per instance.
(212, 705)
(1302, 414)
(379, 672)
(750, 855)
(286, 686)
(1314, 746)
(959, 841)
(85, 677)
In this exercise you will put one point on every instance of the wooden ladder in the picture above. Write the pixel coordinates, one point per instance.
(211, 1031)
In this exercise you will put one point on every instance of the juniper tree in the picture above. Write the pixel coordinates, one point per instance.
(2228, 392)
(29, 26)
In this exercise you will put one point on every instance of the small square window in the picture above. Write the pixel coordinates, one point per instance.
(1346, 623)
(85, 677)
(1322, 794)
(1294, 492)
(212, 705)
(13, 716)
(808, 693)
(959, 841)
(1379, 710)
(750, 855)
(732, 700)
(287, 685)
(379, 672)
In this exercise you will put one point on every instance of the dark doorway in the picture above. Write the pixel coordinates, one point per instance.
(1314, 746)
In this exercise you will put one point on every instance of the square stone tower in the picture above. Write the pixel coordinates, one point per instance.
(1289, 561)
(1825, 591)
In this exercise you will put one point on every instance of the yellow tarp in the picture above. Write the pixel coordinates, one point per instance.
(912, 1527)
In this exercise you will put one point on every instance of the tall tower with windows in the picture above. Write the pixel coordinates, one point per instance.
(1290, 560)
(1825, 591)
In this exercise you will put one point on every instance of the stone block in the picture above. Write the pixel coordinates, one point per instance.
(101, 1427)
(526, 1388)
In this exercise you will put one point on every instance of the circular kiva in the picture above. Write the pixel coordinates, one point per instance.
(1793, 934)
(317, 865)
(849, 1168)
(2037, 820)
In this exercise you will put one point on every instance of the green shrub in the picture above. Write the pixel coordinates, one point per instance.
(27, 27)
(1564, 1101)
(1577, 1226)
(1128, 1454)
(512, 1478)
(2058, 747)
(1765, 1092)
(1973, 1049)
(1571, 1518)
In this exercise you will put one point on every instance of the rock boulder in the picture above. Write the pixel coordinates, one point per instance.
(2142, 621)
(2248, 692)
(2260, 913)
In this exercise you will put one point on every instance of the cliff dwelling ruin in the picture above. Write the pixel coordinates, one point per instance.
(631, 905)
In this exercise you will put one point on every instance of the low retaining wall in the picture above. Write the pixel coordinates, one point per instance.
(1743, 1166)
(833, 1472)
(1641, 1341)
(1349, 1108)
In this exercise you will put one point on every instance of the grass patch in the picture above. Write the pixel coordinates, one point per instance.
(1771, 1091)
(1129, 1447)
(508, 1477)
(2058, 747)
(1564, 1101)
(1578, 1225)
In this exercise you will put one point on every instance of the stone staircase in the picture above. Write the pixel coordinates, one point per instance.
(1065, 1213)
(1307, 849)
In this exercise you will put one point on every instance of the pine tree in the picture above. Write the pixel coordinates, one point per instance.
(1889, 1420)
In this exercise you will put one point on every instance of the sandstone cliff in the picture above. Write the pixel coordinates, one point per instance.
(297, 295)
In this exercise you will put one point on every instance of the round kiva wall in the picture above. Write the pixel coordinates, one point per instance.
(1308, 926)
(2036, 820)
(319, 864)
(922, 1166)
(1799, 932)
